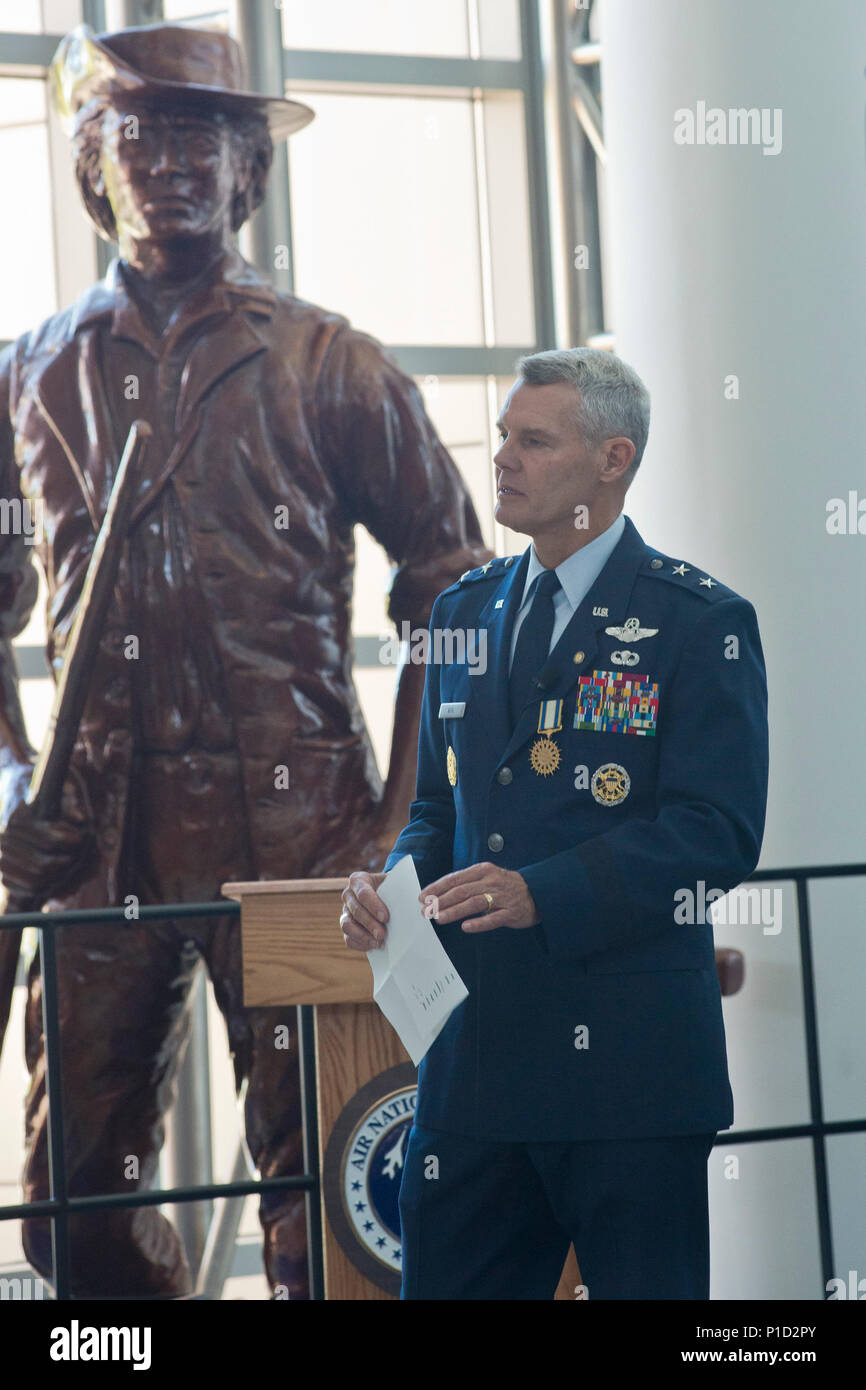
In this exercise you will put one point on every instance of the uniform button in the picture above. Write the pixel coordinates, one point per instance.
(504, 776)
(495, 842)
(579, 657)
(656, 564)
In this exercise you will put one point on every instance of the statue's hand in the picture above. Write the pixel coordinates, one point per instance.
(41, 858)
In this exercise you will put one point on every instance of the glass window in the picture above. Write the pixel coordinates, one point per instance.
(378, 26)
(26, 241)
(376, 687)
(508, 217)
(22, 17)
(458, 407)
(385, 215)
(202, 11)
(499, 28)
(58, 16)
(446, 28)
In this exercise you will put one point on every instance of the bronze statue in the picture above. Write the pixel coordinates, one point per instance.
(221, 737)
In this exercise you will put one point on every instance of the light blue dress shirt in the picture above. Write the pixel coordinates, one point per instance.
(576, 576)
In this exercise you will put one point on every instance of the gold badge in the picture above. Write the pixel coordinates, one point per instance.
(451, 766)
(544, 755)
(610, 784)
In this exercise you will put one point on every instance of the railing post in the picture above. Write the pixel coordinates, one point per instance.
(53, 1089)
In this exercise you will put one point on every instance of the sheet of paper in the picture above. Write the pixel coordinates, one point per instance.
(414, 982)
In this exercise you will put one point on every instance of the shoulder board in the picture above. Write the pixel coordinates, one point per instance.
(684, 576)
(491, 569)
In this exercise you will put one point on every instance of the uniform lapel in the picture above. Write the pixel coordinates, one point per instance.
(611, 591)
(490, 689)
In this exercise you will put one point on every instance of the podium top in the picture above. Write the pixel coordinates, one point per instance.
(292, 948)
(283, 885)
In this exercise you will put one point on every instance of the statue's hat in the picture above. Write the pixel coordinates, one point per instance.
(163, 62)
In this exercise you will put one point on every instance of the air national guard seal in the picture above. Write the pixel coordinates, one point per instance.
(362, 1173)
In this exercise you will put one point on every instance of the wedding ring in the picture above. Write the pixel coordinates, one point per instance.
(489, 897)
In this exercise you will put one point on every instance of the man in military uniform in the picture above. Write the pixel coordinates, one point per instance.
(222, 736)
(612, 757)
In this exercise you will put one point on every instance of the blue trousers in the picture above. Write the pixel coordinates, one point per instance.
(494, 1220)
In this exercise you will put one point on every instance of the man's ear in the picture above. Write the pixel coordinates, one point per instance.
(618, 456)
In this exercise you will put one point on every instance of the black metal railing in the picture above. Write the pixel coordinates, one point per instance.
(818, 1129)
(59, 1205)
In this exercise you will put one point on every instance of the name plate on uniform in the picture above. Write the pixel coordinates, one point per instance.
(453, 711)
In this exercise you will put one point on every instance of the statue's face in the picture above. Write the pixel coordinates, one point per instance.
(169, 175)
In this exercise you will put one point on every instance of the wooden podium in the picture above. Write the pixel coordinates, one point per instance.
(294, 953)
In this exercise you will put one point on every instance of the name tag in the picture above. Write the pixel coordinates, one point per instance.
(453, 711)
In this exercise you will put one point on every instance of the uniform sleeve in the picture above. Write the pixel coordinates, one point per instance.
(394, 475)
(618, 889)
(429, 836)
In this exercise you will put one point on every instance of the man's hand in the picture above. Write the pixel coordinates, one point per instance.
(364, 914)
(461, 894)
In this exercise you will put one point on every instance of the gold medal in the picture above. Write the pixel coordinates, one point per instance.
(544, 755)
(451, 766)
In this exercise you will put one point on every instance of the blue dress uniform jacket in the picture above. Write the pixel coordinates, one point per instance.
(604, 1021)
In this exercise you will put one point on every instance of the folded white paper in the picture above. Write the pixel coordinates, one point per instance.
(414, 982)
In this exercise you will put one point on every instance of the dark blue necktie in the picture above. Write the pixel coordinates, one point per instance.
(533, 642)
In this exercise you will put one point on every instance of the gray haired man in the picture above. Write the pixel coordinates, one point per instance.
(613, 753)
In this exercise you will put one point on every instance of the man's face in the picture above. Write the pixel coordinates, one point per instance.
(169, 175)
(544, 468)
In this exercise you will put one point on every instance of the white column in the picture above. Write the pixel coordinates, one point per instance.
(738, 291)
(728, 261)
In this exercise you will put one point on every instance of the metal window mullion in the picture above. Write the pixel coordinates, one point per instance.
(403, 70)
(536, 166)
(259, 33)
(126, 14)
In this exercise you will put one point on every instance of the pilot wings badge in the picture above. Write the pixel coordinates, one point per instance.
(631, 631)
